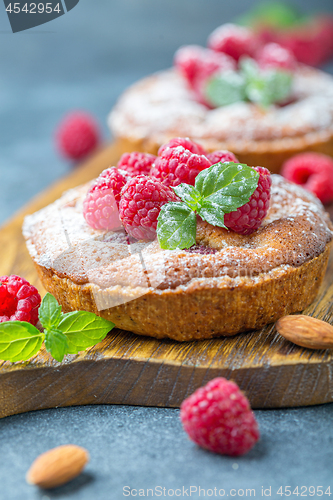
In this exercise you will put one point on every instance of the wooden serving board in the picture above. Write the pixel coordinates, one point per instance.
(129, 369)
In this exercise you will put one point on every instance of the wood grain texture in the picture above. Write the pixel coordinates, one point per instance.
(128, 369)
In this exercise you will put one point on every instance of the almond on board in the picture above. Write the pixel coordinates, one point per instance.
(306, 331)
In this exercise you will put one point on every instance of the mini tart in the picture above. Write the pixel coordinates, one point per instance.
(227, 284)
(161, 106)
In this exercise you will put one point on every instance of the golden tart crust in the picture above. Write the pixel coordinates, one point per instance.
(244, 282)
(161, 106)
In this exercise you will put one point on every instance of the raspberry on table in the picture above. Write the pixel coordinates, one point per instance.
(187, 143)
(313, 171)
(140, 205)
(235, 41)
(247, 219)
(177, 165)
(221, 156)
(77, 135)
(100, 206)
(136, 163)
(195, 62)
(19, 301)
(218, 417)
(274, 56)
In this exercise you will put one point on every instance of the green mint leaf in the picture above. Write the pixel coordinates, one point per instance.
(56, 344)
(265, 87)
(271, 87)
(249, 69)
(19, 340)
(280, 84)
(188, 194)
(226, 88)
(273, 14)
(229, 185)
(212, 213)
(49, 312)
(83, 329)
(176, 227)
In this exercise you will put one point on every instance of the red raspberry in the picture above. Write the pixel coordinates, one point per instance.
(115, 179)
(178, 165)
(273, 55)
(218, 417)
(236, 41)
(195, 62)
(192, 146)
(325, 34)
(100, 206)
(140, 205)
(246, 219)
(77, 135)
(19, 301)
(136, 163)
(313, 171)
(313, 43)
(221, 156)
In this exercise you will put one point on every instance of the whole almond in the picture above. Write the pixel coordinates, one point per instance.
(306, 331)
(57, 466)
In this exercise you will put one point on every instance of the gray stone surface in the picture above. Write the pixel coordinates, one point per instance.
(84, 60)
(144, 448)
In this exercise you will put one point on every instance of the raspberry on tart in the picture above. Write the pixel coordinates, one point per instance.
(115, 178)
(140, 205)
(248, 218)
(195, 62)
(218, 417)
(222, 156)
(311, 42)
(274, 55)
(235, 41)
(136, 163)
(100, 206)
(192, 146)
(176, 165)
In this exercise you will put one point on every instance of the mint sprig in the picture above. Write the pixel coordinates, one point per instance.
(177, 226)
(19, 342)
(265, 87)
(274, 14)
(226, 88)
(63, 333)
(83, 329)
(56, 344)
(219, 189)
(251, 83)
(49, 312)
